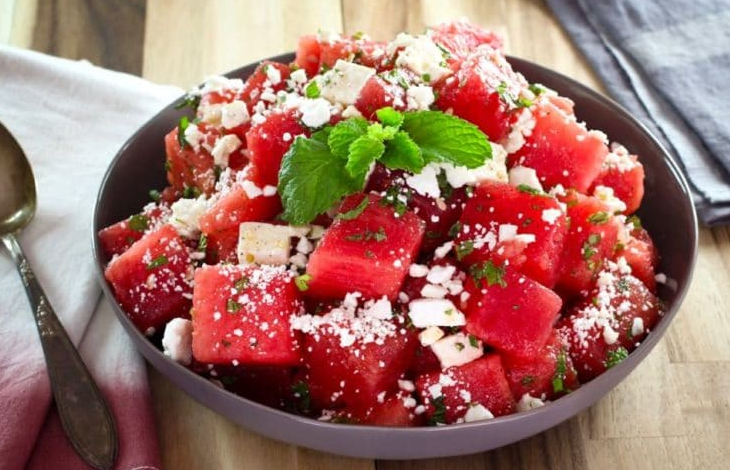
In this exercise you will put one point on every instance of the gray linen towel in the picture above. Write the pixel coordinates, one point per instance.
(668, 63)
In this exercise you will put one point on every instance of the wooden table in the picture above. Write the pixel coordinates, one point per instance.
(673, 412)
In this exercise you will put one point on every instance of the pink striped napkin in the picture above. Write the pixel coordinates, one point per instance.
(70, 118)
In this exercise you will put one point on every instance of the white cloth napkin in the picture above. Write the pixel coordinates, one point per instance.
(70, 118)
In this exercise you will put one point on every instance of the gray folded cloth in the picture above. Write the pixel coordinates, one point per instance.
(668, 63)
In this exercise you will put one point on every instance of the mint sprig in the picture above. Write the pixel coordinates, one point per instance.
(318, 171)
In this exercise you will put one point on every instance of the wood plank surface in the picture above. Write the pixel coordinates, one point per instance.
(673, 412)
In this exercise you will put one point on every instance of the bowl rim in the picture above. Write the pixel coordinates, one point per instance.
(585, 392)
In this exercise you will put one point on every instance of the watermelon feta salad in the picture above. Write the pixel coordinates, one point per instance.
(398, 234)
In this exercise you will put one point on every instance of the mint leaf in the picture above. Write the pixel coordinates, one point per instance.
(445, 138)
(389, 117)
(403, 154)
(377, 131)
(363, 151)
(311, 179)
(182, 125)
(344, 134)
(312, 90)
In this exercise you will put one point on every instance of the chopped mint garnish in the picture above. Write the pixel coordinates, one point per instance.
(138, 222)
(302, 282)
(493, 274)
(615, 357)
(157, 262)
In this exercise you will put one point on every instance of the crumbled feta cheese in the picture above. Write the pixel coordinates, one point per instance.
(434, 312)
(440, 274)
(177, 341)
(299, 76)
(420, 55)
(519, 175)
(219, 84)
(606, 194)
(426, 183)
(551, 215)
(315, 113)
(430, 335)
(610, 336)
(342, 84)
(381, 309)
(234, 114)
(456, 350)
(252, 191)
(419, 97)
(186, 216)
(528, 402)
(418, 270)
(637, 327)
(477, 412)
(269, 190)
(406, 385)
(661, 278)
(304, 246)
(223, 148)
(507, 232)
(432, 291)
(273, 74)
(351, 111)
(264, 243)
(443, 250)
(193, 136)
(521, 129)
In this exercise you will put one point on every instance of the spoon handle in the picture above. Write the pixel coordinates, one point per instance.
(84, 414)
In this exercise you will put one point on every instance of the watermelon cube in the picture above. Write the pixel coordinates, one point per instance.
(268, 142)
(346, 366)
(242, 315)
(480, 92)
(268, 385)
(561, 150)
(152, 279)
(396, 410)
(460, 38)
(117, 238)
(370, 253)
(504, 223)
(188, 168)
(509, 311)
(625, 175)
(269, 76)
(591, 239)
(547, 375)
(602, 329)
(379, 93)
(641, 255)
(448, 394)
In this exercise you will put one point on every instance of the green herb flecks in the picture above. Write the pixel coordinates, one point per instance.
(616, 356)
(138, 222)
(302, 282)
(493, 274)
(439, 413)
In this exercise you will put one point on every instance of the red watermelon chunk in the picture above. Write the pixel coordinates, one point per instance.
(379, 93)
(269, 141)
(370, 253)
(190, 169)
(610, 323)
(447, 395)
(548, 375)
(396, 410)
(561, 150)
(151, 280)
(242, 315)
(641, 254)
(625, 175)
(268, 385)
(350, 360)
(497, 207)
(314, 53)
(460, 38)
(222, 246)
(510, 311)
(261, 80)
(590, 241)
(482, 91)
(117, 238)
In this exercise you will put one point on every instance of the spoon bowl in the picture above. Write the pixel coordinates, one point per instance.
(84, 414)
(18, 201)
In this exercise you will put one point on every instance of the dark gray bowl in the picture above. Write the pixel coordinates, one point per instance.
(667, 213)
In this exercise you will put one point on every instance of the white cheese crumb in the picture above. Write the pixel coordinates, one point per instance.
(440, 274)
(522, 175)
(418, 270)
(477, 412)
(315, 113)
(406, 385)
(186, 216)
(610, 336)
(430, 335)
(223, 148)
(456, 350)
(432, 291)
(606, 194)
(342, 84)
(551, 215)
(419, 54)
(177, 341)
(419, 97)
(193, 136)
(234, 114)
(426, 183)
(351, 111)
(528, 402)
(434, 312)
(273, 74)
(637, 327)
(264, 243)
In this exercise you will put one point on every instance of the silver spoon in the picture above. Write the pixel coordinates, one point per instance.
(85, 416)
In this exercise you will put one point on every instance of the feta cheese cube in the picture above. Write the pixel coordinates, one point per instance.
(430, 335)
(343, 83)
(477, 413)
(315, 113)
(435, 312)
(264, 243)
(420, 55)
(528, 402)
(223, 148)
(234, 114)
(522, 175)
(186, 214)
(456, 350)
